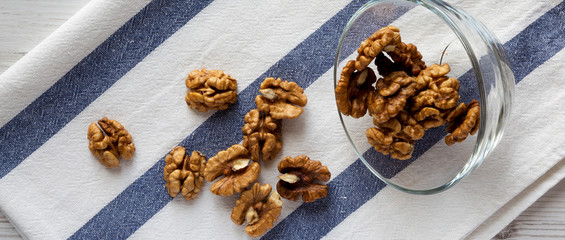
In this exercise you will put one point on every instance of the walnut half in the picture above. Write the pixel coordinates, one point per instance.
(210, 89)
(108, 141)
(233, 164)
(391, 95)
(261, 135)
(281, 99)
(183, 173)
(442, 92)
(408, 56)
(256, 208)
(463, 123)
(387, 143)
(352, 90)
(383, 40)
(299, 178)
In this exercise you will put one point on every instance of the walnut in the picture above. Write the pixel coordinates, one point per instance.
(411, 129)
(396, 136)
(108, 141)
(391, 83)
(463, 123)
(408, 56)
(281, 99)
(434, 71)
(256, 208)
(233, 164)
(352, 90)
(299, 176)
(391, 94)
(442, 92)
(404, 57)
(210, 90)
(430, 117)
(392, 126)
(456, 112)
(261, 135)
(385, 142)
(384, 39)
(183, 173)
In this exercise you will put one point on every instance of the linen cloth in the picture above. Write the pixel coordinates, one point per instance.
(128, 60)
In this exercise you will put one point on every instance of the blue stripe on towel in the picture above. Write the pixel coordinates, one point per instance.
(147, 195)
(315, 220)
(93, 75)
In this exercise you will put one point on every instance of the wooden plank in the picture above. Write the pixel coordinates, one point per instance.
(7, 231)
(545, 219)
(25, 23)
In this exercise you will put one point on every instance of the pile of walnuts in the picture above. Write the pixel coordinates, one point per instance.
(404, 102)
(408, 99)
(236, 169)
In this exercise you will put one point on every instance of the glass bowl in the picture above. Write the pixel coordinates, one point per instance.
(443, 34)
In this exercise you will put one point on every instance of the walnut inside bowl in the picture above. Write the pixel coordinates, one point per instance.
(440, 99)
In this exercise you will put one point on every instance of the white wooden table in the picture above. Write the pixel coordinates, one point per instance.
(24, 23)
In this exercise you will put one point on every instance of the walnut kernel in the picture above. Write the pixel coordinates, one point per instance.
(463, 125)
(108, 141)
(257, 209)
(442, 92)
(281, 99)
(430, 117)
(299, 178)
(210, 89)
(261, 135)
(386, 142)
(384, 39)
(412, 130)
(183, 173)
(391, 94)
(352, 90)
(233, 165)
(408, 56)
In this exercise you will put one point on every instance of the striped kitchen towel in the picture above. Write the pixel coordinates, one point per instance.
(128, 59)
